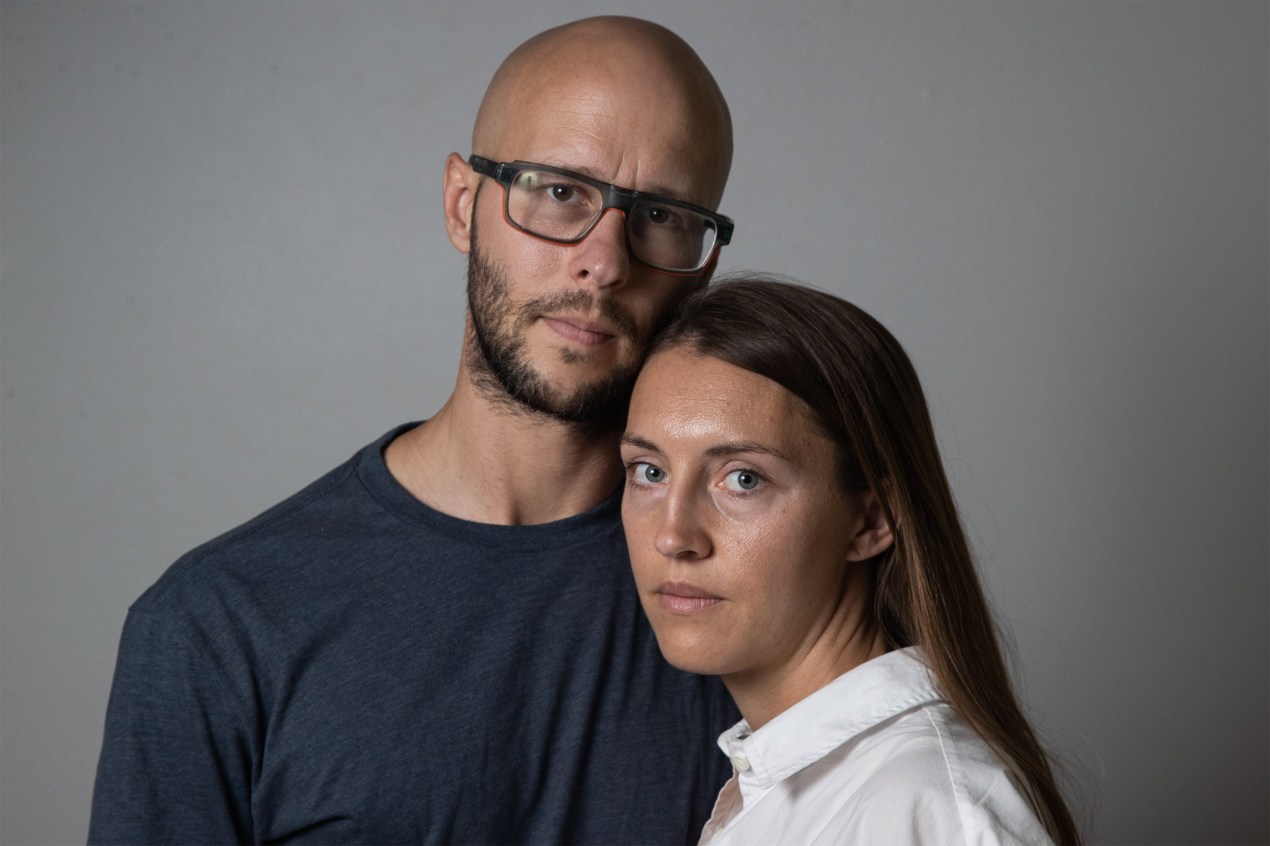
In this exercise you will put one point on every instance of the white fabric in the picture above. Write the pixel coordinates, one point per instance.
(874, 757)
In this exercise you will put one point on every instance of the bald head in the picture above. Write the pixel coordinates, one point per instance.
(614, 82)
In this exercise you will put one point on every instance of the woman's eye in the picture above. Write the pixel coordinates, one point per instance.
(643, 473)
(742, 480)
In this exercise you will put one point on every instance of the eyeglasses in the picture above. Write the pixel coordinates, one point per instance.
(563, 207)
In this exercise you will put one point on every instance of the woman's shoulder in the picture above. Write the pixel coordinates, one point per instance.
(928, 778)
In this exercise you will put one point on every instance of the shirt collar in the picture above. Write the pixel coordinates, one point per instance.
(859, 699)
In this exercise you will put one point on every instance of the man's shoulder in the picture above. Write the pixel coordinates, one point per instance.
(308, 530)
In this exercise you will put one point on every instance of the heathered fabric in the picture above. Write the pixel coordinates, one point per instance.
(354, 667)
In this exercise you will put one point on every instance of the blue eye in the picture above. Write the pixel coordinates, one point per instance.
(742, 480)
(643, 473)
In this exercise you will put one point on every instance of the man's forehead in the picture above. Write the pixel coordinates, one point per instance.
(616, 99)
(619, 139)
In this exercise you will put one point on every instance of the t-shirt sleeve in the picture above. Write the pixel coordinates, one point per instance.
(175, 763)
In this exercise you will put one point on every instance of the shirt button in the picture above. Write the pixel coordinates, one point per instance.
(741, 762)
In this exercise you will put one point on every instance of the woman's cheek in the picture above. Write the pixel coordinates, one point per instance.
(751, 507)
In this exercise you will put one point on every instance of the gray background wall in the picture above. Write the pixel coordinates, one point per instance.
(224, 270)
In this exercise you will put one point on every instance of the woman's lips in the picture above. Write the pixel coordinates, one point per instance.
(579, 332)
(684, 598)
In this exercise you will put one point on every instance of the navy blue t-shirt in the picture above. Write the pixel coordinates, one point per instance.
(354, 667)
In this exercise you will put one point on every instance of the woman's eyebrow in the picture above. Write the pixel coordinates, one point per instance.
(733, 447)
(636, 441)
(726, 448)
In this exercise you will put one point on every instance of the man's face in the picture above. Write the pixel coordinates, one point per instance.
(502, 364)
(561, 328)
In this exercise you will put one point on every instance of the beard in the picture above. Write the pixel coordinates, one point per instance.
(501, 368)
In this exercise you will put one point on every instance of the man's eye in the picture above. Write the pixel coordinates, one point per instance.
(742, 480)
(563, 193)
(644, 473)
(661, 216)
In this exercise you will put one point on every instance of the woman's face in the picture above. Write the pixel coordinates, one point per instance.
(740, 537)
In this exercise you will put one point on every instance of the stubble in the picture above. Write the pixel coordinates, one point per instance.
(501, 368)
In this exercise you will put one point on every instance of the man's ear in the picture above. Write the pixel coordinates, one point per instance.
(458, 197)
(874, 535)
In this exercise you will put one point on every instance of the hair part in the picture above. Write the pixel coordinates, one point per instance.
(865, 395)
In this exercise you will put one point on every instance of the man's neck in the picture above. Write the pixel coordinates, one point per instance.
(489, 462)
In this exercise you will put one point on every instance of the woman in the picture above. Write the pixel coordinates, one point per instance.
(791, 530)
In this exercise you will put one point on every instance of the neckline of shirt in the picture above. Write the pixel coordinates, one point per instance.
(859, 699)
(372, 471)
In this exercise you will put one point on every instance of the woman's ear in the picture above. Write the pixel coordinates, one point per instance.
(874, 535)
(457, 198)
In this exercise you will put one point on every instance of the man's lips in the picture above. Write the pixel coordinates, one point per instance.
(580, 331)
(685, 598)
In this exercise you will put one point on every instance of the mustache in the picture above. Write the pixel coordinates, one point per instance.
(580, 301)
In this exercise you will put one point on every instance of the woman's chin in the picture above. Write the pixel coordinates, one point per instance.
(691, 658)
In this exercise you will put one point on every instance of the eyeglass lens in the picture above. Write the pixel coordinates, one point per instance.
(554, 206)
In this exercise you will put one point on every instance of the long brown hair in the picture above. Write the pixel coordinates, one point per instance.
(864, 393)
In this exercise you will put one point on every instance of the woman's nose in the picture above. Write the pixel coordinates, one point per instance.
(682, 533)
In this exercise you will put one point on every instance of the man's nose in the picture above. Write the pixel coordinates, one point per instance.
(681, 533)
(602, 258)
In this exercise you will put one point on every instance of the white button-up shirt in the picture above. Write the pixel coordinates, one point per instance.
(874, 757)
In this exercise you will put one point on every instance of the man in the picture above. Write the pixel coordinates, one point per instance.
(440, 641)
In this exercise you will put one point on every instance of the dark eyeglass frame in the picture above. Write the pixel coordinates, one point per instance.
(614, 197)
